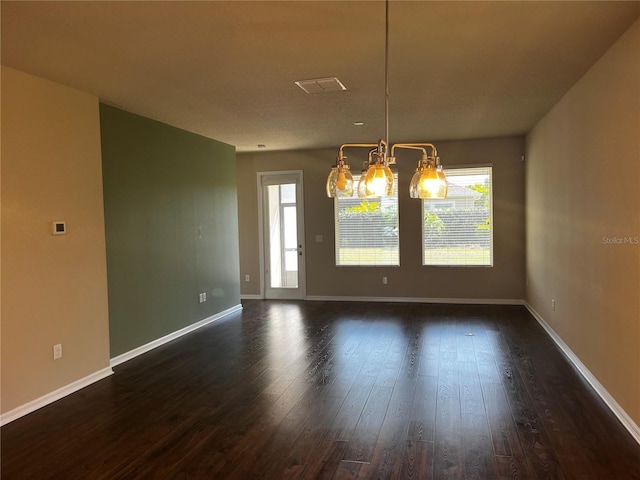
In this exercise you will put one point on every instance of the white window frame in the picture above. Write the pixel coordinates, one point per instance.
(427, 207)
(394, 261)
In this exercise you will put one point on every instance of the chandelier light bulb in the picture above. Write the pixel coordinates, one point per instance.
(341, 182)
(379, 180)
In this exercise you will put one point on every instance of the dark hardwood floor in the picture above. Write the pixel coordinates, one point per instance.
(315, 390)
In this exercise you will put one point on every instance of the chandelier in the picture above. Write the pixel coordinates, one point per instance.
(377, 180)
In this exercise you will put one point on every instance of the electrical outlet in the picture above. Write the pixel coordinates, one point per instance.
(384, 280)
(553, 305)
(204, 297)
(247, 278)
(57, 351)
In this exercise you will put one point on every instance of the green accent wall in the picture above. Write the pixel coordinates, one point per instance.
(171, 221)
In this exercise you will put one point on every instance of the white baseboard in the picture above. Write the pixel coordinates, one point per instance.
(251, 296)
(105, 372)
(51, 397)
(172, 336)
(460, 301)
(617, 410)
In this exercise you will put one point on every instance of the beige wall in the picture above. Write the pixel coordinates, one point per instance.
(53, 287)
(583, 189)
(503, 281)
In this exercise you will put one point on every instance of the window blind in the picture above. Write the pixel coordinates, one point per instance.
(367, 230)
(458, 230)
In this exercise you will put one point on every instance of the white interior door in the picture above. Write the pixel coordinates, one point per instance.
(282, 234)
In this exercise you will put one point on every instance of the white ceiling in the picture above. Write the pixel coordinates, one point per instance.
(226, 69)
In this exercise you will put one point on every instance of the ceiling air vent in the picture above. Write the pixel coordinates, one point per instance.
(321, 85)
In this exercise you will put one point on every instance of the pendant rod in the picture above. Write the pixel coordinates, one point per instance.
(386, 73)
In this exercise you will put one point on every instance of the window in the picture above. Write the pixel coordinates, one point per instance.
(367, 230)
(458, 230)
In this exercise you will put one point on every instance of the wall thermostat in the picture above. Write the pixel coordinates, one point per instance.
(59, 228)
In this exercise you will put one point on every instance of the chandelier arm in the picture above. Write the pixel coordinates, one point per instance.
(354, 145)
(371, 152)
(381, 147)
(416, 146)
(342, 157)
(412, 147)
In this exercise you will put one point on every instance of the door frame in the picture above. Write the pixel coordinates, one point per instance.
(301, 292)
